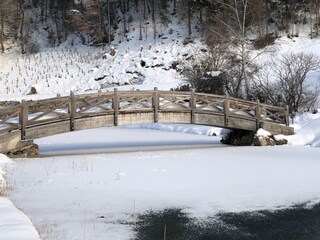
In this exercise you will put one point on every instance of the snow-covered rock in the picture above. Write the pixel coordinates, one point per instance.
(265, 138)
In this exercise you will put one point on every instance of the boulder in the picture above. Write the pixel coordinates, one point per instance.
(248, 138)
(263, 141)
(237, 137)
(281, 141)
(265, 138)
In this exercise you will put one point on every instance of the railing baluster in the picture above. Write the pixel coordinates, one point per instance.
(193, 105)
(155, 104)
(258, 115)
(226, 110)
(72, 111)
(23, 118)
(115, 106)
(286, 114)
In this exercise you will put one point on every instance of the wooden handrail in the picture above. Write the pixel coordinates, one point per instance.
(74, 107)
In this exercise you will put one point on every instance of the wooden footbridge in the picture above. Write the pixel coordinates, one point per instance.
(21, 124)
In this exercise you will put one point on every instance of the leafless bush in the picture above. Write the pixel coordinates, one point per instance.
(288, 81)
(205, 73)
(218, 71)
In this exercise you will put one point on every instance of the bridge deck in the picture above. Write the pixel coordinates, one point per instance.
(35, 119)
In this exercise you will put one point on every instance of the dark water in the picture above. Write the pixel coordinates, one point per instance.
(296, 223)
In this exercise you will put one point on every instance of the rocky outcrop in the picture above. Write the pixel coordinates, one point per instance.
(249, 138)
(238, 138)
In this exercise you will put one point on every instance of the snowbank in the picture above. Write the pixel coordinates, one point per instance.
(307, 130)
(14, 225)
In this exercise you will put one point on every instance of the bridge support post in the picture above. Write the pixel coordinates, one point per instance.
(226, 109)
(23, 119)
(258, 115)
(193, 105)
(115, 106)
(287, 116)
(155, 104)
(72, 110)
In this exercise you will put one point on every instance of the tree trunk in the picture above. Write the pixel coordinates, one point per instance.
(140, 20)
(124, 23)
(124, 13)
(109, 23)
(317, 16)
(189, 18)
(22, 30)
(42, 11)
(154, 4)
(311, 27)
(45, 10)
(145, 10)
(1, 30)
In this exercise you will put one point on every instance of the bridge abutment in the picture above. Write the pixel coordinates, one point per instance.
(277, 129)
(12, 145)
(27, 148)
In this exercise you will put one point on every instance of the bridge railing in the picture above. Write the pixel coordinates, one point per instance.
(9, 119)
(260, 111)
(70, 108)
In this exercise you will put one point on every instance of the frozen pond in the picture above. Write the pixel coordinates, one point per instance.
(102, 196)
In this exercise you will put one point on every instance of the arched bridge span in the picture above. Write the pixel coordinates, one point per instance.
(20, 125)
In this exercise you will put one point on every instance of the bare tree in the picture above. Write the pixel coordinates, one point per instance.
(314, 14)
(231, 26)
(260, 16)
(89, 21)
(185, 9)
(23, 29)
(3, 18)
(189, 18)
(288, 81)
(9, 21)
(154, 13)
(123, 8)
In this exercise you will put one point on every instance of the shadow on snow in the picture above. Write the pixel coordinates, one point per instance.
(298, 222)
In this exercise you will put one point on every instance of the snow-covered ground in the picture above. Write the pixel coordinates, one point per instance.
(91, 196)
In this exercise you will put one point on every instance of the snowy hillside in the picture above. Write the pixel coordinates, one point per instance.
(136, 64)
(127, 63)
